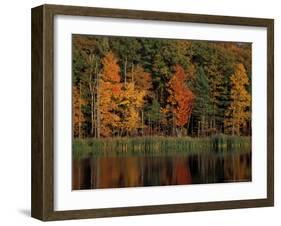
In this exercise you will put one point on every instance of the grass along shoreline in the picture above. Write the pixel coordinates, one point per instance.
(117, 146)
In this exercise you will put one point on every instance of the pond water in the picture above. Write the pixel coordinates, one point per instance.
(137, 171)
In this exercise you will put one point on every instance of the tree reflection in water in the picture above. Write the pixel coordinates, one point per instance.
(138, 171)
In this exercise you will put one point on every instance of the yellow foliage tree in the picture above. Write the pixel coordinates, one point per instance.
(238, 112)
(132, 100)
(142, 83)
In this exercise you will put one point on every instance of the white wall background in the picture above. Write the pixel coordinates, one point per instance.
(15, 112)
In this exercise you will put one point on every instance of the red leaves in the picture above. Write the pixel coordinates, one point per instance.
(116, 90)
(181, 97)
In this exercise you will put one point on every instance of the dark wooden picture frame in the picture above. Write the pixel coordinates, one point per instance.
(42, 203)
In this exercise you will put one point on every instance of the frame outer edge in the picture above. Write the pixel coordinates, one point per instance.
(156, 15)
(48, 105)
(37, 188)
(270, 112)
(42, 197)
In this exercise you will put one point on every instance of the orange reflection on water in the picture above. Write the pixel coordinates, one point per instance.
(136, 171)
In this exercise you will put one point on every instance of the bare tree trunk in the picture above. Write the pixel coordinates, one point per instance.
(91, 61)
(95, 111)
(92, 112)
(79, 115)
(98, 106)
(95, 98)
(94, 105)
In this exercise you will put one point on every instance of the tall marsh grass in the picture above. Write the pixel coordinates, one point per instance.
(158, 145)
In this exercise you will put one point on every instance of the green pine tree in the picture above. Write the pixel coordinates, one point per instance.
(202, 108)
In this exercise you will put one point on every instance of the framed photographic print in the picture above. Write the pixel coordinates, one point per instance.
(141, 112)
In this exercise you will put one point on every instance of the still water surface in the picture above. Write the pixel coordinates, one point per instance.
(135, 171)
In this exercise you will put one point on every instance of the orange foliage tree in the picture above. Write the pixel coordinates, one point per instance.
(181, 98)
(109, 90)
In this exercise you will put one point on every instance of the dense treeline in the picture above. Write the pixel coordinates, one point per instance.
(143, 87)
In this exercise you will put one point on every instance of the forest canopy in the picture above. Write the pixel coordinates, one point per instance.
(160, 87)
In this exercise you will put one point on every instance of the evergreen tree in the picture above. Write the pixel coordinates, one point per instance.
(153, 114)
(202, 106)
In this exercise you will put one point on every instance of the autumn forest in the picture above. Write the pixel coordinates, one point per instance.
(147, 87)
(149, 94)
